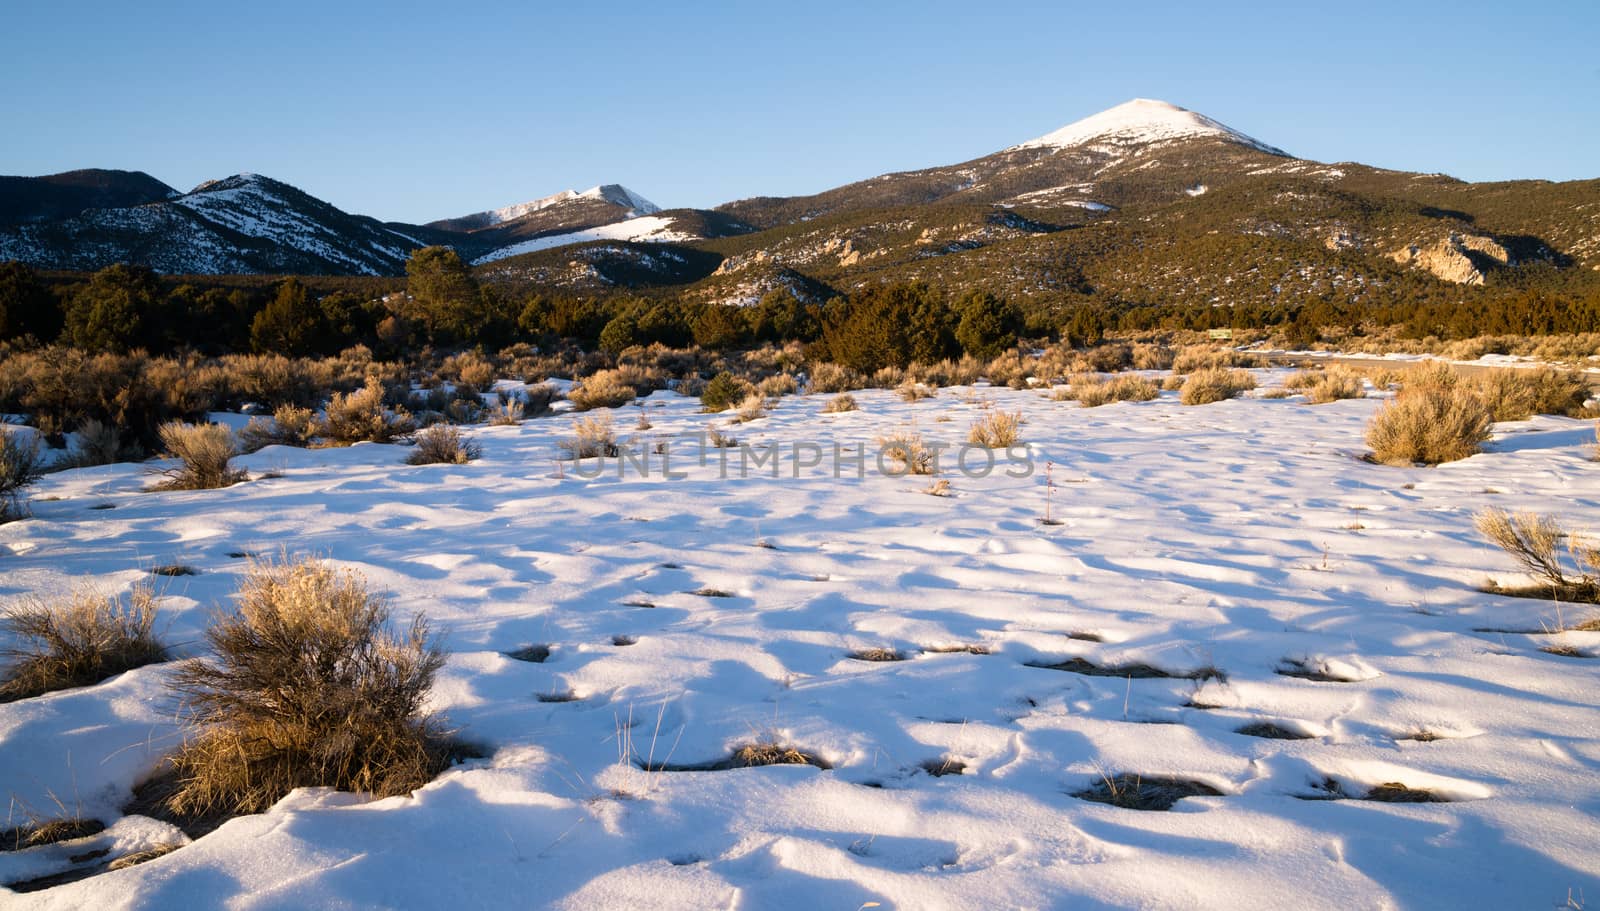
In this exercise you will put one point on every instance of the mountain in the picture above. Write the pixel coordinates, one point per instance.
(35, 199)
(615, 201)
(1143, 204)
(241, 224)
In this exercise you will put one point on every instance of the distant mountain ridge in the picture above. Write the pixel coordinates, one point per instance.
(1146, 202)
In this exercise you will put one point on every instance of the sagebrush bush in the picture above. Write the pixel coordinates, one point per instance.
(912, 391)
(507, 413)
(1092, 393)
(1192, 358)
(907, 449)
(291, 425)
(360, 416)
(1516, 394)
(830, 377)
(1335, 384)
(78, 641)
(844, 401)
(1214, 384)
(100, 443)
(1152, 357)
(203, 452)
(1429, 423)
(604, 389)
(753, 408)
(591, 437)
(306, 686)
(20, 466)
(442, 444)
(996, 430)
(779, 384)
(724, 391)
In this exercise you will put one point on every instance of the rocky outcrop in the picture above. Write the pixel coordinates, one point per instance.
(1459, 258)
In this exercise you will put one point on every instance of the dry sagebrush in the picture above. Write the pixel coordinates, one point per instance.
(203, 452)
(907, 449)
(360, 416)
(20, 466)
(306, 687)
(442, 444)
(840, 403)
(1215, 384)
(591, 437)
(291, 425)
(1092, 392)
(78, 641)
(1429, 422)
(1535, 542)
(996, 430)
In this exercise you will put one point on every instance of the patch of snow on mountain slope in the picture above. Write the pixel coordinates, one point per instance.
(616, 194)
(647, 229)
(1142, 121)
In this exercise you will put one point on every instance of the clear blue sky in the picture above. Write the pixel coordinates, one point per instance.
(414, 112)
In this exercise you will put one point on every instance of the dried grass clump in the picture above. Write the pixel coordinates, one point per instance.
(829, 377)
(508, 413)
(753, 408)
(1429, 423)
(306, 688)
(202, 451)
(1215, 384)
(360, 416)
(442, 444)
(1516, 394)
(1144, 792)
(291, 425)
(1534, 541)
(1092, 393)
(1334, 385)
(907, 450)
(912, 391)
(591, 437)
(996, 430)
(604, 389)
(76, 642)
(842, 402)
(20, 465)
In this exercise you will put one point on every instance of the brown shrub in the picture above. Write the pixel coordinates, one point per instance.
(76, 642)
(592, 437)
(361, 416)
(20, 466)
(996, 430)
(828, 377)
(1429, 423)
(1516, 394)
(844, 401)
(291, 425)
(1215, 384)
(203, 451)
(604, 389)
(306, 687)
(442, 444)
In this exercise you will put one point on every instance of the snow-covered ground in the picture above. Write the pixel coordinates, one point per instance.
(1241, 536)
(646, 228)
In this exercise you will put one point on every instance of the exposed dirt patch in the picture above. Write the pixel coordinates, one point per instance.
(878, 654)
(1271, 731)
(1144, 792)
(939, 768)
(536, 654)
(1136, 670)
(744, 757)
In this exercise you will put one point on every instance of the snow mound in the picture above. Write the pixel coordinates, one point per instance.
(1143, 121)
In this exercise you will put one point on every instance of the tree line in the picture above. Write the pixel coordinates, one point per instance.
(441, 304)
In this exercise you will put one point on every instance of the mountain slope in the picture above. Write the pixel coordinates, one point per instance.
(54, 196)
(242, 224)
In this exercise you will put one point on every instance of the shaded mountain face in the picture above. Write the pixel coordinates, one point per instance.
(242, 224)
(36, 199)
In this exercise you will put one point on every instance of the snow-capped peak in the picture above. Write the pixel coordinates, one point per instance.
(613, 193)
(1142, 121)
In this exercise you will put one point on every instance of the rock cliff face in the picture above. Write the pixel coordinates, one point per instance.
(1459, 258)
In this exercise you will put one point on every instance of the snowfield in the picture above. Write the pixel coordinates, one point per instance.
(1246, 536)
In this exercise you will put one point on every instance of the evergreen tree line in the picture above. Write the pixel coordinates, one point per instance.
(125, 308)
